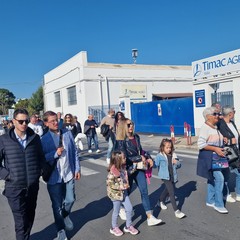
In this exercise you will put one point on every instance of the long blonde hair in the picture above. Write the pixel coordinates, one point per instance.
(121, 130)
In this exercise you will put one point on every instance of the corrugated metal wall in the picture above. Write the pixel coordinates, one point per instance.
(174, 112)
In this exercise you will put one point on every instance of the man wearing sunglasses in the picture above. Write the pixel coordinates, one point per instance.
(21, 159)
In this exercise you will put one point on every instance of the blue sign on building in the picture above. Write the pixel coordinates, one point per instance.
(200, 98)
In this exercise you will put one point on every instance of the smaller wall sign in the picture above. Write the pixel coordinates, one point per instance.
(200, 98)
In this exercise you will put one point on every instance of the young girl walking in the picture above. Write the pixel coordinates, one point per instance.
(167, 163)
(117, 185)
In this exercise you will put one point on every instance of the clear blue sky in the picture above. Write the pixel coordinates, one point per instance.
(38, 35)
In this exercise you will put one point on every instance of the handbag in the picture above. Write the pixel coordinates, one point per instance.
(48, 168)
(232, 154)
(218, 162)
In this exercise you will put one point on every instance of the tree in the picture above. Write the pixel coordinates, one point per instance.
(7, 99)
(36, 103)
(22, 103)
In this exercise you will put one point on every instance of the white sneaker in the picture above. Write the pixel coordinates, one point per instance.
(163, 206)
(230, 199)
(152, 221)
(238, 198)
(210, 204)
(90, 151)
(179, 214)
(62, 235)
(122, 214)
(221, 209)
(108, 160)
(98, 151)
(68, 223)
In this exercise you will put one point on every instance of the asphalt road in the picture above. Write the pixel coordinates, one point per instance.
(92, 210)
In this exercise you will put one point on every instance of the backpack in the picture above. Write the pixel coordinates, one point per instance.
(104, 130)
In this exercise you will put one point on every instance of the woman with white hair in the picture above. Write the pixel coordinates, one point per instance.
(211, 141)
(228, 129)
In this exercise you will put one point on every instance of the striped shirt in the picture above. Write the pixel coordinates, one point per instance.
(209, 136)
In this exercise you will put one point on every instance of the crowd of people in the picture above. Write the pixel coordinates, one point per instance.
(31, 143)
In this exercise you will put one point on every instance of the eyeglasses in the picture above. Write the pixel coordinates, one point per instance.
(22, 121)
(129, 125)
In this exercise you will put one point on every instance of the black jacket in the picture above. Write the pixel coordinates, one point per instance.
(20, 168)
(132, 152)
(226, 131)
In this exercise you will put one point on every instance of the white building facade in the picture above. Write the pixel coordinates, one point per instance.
(77, 86)
(216, 79)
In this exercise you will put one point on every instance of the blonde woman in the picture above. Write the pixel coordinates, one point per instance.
(129, 143)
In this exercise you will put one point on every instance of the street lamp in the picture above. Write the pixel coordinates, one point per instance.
(134, 55)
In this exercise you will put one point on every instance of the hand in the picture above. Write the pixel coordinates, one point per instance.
(234, 141)
(174, 161)
(60, 150)
(219, 151)
(225, 140)
(77, 175)
(150, 162)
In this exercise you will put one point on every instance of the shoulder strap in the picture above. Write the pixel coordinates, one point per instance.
(60, 138)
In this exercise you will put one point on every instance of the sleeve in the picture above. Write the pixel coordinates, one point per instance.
(3, 171)
(202, 140)
(156, 161)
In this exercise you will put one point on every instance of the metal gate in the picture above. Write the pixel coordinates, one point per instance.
(224, 98)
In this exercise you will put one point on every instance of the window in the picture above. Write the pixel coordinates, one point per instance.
(57, 99)
(72, 96)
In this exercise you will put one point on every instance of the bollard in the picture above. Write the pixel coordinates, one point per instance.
(172, 133)
(189, 135)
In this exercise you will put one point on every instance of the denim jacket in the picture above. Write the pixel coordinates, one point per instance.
(161, 162)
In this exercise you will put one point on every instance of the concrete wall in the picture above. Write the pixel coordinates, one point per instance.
(91, 81)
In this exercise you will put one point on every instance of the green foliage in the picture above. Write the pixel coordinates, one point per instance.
(22, 103)
(36, 103)
(7, 99)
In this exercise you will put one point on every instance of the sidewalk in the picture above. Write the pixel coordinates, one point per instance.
(180, 141)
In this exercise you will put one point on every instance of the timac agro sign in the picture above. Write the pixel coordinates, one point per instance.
(219, 64)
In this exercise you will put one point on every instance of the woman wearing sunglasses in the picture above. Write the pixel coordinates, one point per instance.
(129, 142)
(210, 142)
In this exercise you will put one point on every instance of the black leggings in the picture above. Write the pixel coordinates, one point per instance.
(169, 189)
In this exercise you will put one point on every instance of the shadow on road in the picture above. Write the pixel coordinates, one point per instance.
(91, 211)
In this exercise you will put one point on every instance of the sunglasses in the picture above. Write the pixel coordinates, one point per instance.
(216, 114)
(22, 121)
(129, 125)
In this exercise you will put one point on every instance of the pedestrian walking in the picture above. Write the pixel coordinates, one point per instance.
(90, 126)
(117, 185)
(210, 143)
(167, 163)
(21, 160)
(109, 121)
(59, 145)
(129, 142)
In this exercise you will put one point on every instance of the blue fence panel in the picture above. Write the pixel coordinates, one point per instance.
(174, 112)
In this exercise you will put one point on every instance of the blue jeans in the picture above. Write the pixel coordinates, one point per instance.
(89, 141)
(215, 188)
(110, 147)
(62, 196)
(128, 209)
(140, 180)
(237, 189)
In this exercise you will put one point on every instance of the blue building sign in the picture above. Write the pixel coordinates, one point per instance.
(200, 98)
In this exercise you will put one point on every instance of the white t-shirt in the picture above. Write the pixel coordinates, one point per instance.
(36, 128)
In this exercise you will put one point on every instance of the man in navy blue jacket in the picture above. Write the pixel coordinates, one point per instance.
(21, 160)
